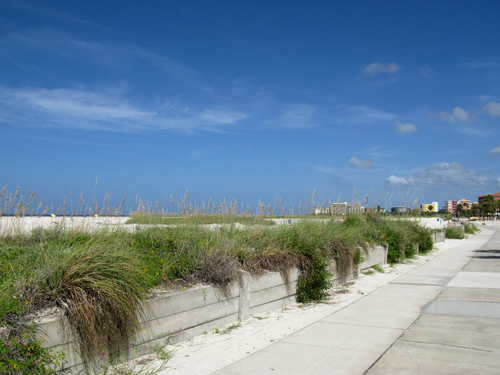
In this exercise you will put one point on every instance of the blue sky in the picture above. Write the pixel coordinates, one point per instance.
(387, 101)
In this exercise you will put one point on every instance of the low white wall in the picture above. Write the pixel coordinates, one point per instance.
(177, 316)
(10, 225)
(439, 236)
(431, 222)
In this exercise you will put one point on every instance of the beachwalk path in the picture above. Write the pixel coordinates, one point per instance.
(439, 314)
(459, 331)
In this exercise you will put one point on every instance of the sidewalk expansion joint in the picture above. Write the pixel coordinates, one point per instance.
(451, 346)
(414, 284)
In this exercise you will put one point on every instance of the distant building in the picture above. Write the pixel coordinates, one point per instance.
(339, 208)
(342, 208)
(451, 206)
(430, 207)
(494, 195)
(398, 210)
(321, 211)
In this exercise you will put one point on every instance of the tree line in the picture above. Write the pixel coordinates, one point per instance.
(488, 207)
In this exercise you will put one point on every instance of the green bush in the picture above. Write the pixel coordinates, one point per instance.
(314, 282)
(394, 239)
(470, 228)
(23, 354)
(410, 251)
(454, 233)
(424, 239)
(308, 242)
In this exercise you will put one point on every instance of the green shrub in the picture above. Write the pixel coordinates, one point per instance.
(358, 256)
(314, 282)
(23, 354)
(470, 228)
(424, 239)
(394, 239)
(410, 251)
(353, 220)
(307, 241)
(454, 233)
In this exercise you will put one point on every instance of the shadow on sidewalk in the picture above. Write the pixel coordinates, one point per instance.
(487, 254)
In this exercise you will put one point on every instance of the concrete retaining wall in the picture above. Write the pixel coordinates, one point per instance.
(439, 236)
(177, 316)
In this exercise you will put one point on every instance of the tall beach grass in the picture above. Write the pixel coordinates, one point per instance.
(98, 277)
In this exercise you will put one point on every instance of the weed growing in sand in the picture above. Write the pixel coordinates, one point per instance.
(142, 367)
(231, 327)
(378, 268)
(163, 354)
(260, 317)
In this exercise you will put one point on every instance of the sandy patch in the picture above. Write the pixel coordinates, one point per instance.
(22, 225)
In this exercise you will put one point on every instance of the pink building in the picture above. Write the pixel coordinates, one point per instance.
(451, 206)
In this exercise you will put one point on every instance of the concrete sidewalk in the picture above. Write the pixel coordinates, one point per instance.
(443, 317)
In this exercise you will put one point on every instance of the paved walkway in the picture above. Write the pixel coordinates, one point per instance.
(441, 318)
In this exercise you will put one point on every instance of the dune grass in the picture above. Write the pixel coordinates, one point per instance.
(154, 219)
(100, 279)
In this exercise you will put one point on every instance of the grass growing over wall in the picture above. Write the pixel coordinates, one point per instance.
(100, 279)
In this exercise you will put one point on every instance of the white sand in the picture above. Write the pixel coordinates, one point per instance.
(16, 225)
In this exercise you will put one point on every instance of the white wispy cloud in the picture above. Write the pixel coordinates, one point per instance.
(405, 127)
(378, 151)
(19, 46)
(378, 68)
(481, 64)
(495, 151)
(458, 114)
(438, 175)
(361, 164)
(298, 115)
(426, 71)
(474, 131)
(108, 110)
(362, 114)
(394, 181)
(492, 108)
(324, 169)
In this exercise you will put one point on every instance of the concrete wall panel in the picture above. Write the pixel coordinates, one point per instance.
(177, 316)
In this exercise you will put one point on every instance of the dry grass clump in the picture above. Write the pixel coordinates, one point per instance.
(218, 268)
(100, 291)
(343, 253)
(257, 261)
